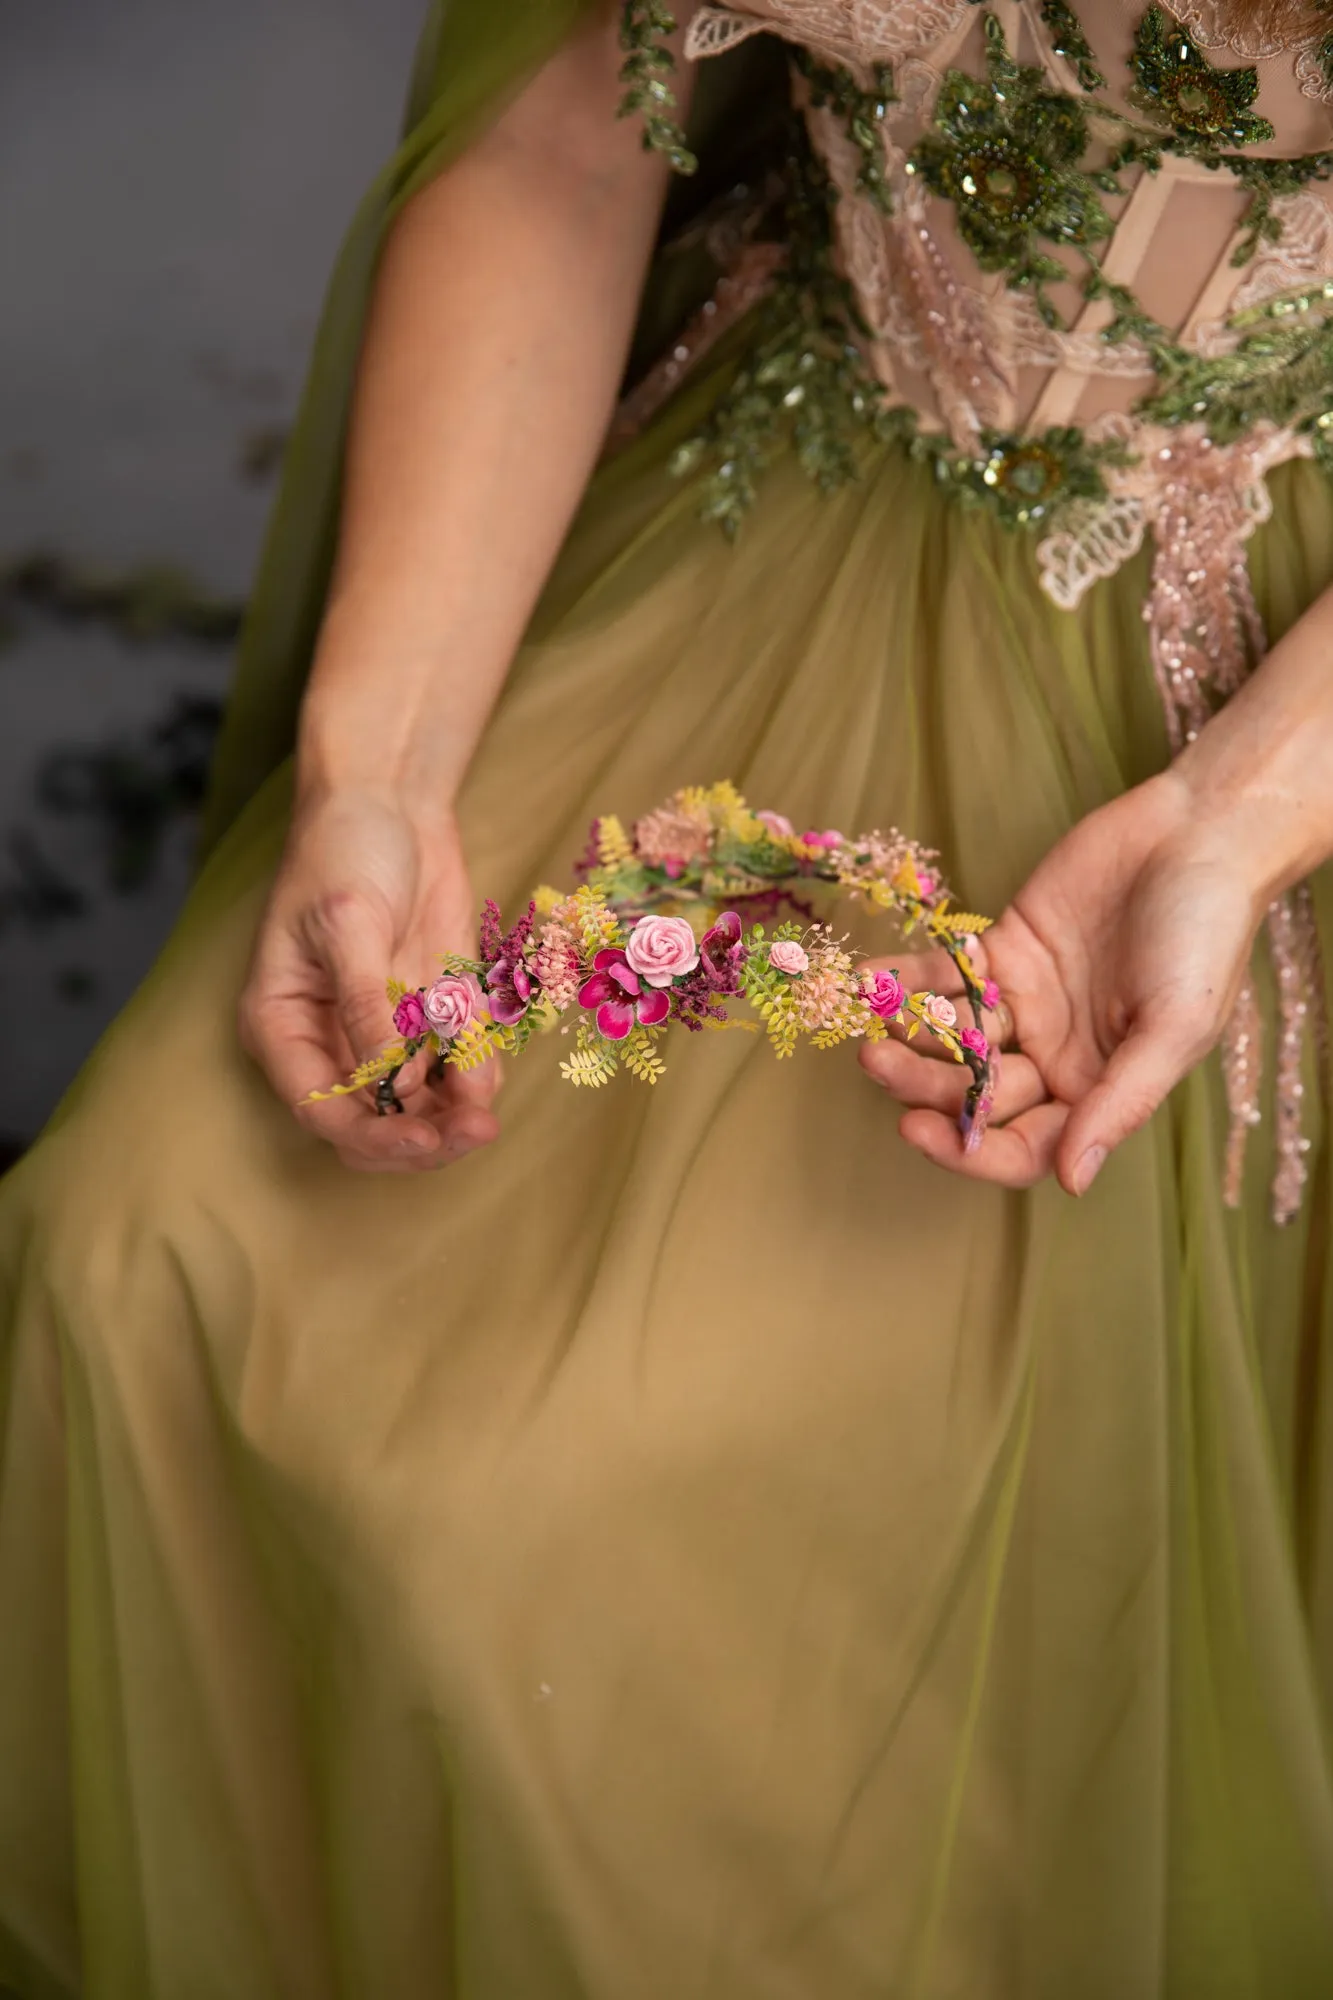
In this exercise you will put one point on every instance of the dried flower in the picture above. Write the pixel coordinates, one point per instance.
(675, 833)
(556, 963)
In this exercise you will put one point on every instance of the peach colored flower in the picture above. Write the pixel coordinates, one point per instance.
(788, 956)
(661, 949)
(673, 837)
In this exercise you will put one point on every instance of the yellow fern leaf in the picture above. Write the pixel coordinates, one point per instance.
(614, 848)
(383, 1064)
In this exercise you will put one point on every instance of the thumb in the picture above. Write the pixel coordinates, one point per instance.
(1146, 1067)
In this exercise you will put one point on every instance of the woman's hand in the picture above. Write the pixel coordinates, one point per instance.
(366, 889)
(1119, 961)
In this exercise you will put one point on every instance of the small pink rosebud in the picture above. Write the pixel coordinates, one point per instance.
(830, 838)
(409, 1017)
(990, 996)
(940, 1013)
(975, 1041)
(778, 825)
(883, 994)
(926, 882)
(673, 867)
(788, 956)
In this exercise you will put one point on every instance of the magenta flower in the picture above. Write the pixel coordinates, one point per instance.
(509, 987)
(990, 995)
(721, 953)
(883, 994)
(409, 1017)
(619, 998)
(925, 882)
(973, 1039)
(830, 838)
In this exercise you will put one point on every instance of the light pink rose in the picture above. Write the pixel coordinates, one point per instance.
(788, 956)
(778, 825)
(452, 1004)
(883, 994)
(661, 949)
(941, 1013)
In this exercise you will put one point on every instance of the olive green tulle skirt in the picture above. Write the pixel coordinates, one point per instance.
(694, 1550)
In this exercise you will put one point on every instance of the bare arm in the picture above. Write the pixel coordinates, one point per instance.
(501, 320)
(497, 339)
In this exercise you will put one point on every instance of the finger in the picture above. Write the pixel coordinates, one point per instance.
(931, 1086)
(1014, 1156)
(354, 942)
(1138, 1077)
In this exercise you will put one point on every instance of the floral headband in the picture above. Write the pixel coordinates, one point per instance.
(653, 940)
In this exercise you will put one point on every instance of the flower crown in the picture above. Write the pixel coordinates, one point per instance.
(652, 940)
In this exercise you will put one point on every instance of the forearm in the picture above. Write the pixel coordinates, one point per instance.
(502, 315)
(1262, 770)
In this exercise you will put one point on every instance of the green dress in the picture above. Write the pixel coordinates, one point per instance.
(692, 1550)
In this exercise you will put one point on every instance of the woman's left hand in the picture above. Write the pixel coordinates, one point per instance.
(1119, 962)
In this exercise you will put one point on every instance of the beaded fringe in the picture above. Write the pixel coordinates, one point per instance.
(1206, 635)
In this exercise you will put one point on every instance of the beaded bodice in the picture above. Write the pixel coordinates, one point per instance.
(1079, 257)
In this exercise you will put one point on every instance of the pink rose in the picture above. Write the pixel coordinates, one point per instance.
(973, 1039)
(990, 995)
(925, 882)
(661, 949)
(940, 1013)
(452, 1004)
(829, 838)
(882, 993)
(788, 956)
(409, 1017)
(778, 825)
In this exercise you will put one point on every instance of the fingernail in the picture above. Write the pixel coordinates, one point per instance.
(416, 1142)
(1088, 1168)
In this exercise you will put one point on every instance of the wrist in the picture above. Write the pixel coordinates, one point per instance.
(1262, 782)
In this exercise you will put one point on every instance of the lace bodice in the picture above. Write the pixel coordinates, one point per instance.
(1080, 258)
(955, 336)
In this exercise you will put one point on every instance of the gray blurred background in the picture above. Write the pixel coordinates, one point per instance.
(174, 181)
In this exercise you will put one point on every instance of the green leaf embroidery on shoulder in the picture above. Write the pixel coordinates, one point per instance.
(862, 112)
(1005, 150)
(1206, 108)
(645, 27)
(1068, 40)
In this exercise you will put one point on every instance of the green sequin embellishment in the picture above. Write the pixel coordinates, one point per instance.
(1005, 151)
(1205, 107)
(804, 381)
(645, 26)
(862, 113)
(1068, 40)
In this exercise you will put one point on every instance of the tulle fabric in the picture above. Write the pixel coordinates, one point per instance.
(694, 1550)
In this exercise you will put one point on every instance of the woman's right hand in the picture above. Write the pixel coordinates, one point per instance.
(366, 889)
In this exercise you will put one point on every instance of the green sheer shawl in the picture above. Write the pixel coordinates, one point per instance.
(474, 55)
